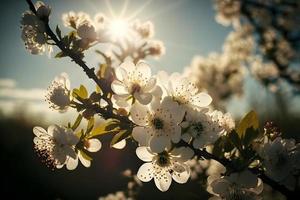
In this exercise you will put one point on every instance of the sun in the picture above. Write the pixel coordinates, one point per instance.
(119, 29)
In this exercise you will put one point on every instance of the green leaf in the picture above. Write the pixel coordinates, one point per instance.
(71, 37)
(79, 133)
(90, 125)
(98, 89)
(65, 41)
(60, 55)
(103, 68)
(250, 120)
(81, 92)
(77, 122)
(85, 156)
(58, 32)
(249, 136)
(235, 139)
(123, 134)
(111, 126)
(105, 128)
(218, 147)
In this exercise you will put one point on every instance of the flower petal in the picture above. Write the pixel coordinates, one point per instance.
(121, 73)
(182, 154)
(143, 98)
(181, 177)
(39, 131)
(84, 162)
(176, 135)
(163, 181)
(157, 92)
(144, 154)
(150, 85)
(159, 143)
(144, 69)
(141, 135)
(94, 145)
(145, 172)
(119, 87)
(139, 114)
(128, 65)
(120, 145)
(220, 186)
(72, 163)
(201, 99)
(51, 129)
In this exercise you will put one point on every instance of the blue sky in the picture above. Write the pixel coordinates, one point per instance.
(187, 28)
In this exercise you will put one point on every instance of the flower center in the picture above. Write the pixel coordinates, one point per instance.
(163, 159)
(158, 123)
(60, 97)
(135, 88)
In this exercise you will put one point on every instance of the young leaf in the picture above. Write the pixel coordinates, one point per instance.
(235, 140)
(79, 133)
(83, 92)
(250, 120)
(58, 32)
(60, 55)
(103, 128)
(71, 37)
(85, 156)
(77, 122)
(123, 134)
(90, 125)
(103, 68)
(249, 136)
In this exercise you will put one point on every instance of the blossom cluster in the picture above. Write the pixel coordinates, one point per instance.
(177, 132)
(275, 30)
(132, 39)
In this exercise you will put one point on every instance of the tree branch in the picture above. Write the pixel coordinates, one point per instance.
(90, 72)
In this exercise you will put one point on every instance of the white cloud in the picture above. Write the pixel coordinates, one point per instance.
(29, 94)
(29, 103)
(7, 83)
(35, 111)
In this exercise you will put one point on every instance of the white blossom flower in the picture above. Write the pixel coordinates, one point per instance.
(33, 30)
(220, 74)
(120, 195)
(264, 71)
(200, 128)
(239, 44)
(91, 145)
(164, 166)
(145, 29)
(156, 48)
(183, 91)
(228, 11)
(281, 159)
(87, 32)
(241, 185)
(58, 95)
(72, 19)
(134, 81)
(225, 121)
(42, 10)
(55, 145)
(158, 125)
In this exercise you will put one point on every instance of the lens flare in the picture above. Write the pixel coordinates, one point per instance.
(119, 29)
